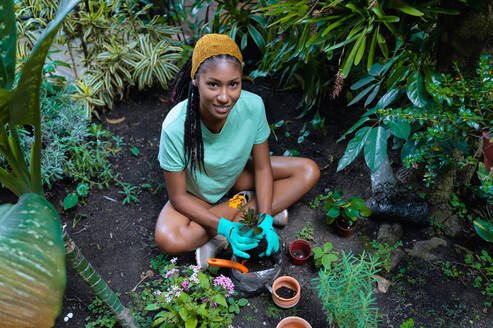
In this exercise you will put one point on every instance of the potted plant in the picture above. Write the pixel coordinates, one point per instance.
(261, 270)
(343, 213)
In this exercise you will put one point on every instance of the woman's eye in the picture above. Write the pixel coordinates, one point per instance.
(234, 84)
(212, 84)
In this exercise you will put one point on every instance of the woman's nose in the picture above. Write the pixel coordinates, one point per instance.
(222, 95)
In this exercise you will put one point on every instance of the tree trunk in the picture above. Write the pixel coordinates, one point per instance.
(96, 283)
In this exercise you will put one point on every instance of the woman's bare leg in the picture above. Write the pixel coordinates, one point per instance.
(176, 233)
(293, 177)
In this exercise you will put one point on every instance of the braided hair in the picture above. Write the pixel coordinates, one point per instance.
(183, 88)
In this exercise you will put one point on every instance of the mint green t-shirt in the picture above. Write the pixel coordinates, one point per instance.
(225, 153)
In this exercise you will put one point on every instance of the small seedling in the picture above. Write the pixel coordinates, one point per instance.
(77, 218)
(72, 199)
(324, 256)
(131, 192)
(306, 233)
(291, 152)
(135, 151)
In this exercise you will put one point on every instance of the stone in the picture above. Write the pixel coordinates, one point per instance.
(423, 248)
(452, 226)
(382, 284)
(395, 257)
(440, 213)
(390, 233)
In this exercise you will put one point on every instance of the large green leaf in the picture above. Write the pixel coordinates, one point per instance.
(24, 106)
(7, 43)
(416, 89)
(388, 98)
(376, 148)
(354, 127)
(399, 127)
(354, 147)
(484, 229)
(257, 37)
(32, 263)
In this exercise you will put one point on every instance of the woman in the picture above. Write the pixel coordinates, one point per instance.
(214, 140)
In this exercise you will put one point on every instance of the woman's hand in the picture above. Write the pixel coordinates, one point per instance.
(270, 235)
(239, 242)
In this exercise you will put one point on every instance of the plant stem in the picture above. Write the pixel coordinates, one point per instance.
(96, 283)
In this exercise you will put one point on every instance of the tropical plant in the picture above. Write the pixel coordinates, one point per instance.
(338, 208)
(239, 20)
(445, 112)
(346, 291)
(352, 32)
(31, 233)
(154, 61)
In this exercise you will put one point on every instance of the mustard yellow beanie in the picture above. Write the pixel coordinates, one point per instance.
(212, 45)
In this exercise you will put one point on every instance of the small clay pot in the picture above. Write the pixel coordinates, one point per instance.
(289, 282)
(293, 322)
(300, 251)
(343, 231)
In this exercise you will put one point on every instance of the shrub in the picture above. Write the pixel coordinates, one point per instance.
(346, 291)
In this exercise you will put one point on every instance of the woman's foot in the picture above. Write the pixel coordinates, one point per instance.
(209, 250)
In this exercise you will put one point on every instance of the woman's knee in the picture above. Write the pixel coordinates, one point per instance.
(166, 241)
(310, 171)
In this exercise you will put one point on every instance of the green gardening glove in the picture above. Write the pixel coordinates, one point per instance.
(239, 242)
(270, 235)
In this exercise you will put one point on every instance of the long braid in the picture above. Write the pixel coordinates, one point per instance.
(193, 145)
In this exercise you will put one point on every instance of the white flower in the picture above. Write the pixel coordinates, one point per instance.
(173, 260)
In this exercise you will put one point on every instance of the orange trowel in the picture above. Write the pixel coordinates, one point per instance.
(228, 264)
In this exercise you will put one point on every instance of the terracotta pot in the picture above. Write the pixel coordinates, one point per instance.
(289, 282)
(487, 150)
(300, 251)
(342, 231)
(293, 322)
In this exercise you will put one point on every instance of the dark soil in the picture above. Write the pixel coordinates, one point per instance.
(299, 253)
(285, 292)
(119, 239)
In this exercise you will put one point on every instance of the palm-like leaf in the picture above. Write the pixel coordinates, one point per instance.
(32, 262)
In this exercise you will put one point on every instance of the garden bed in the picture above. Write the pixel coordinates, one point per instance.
(119, 239)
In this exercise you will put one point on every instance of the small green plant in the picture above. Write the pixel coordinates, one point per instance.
(306, 233)
(249, 218)
(275, 312)
(409, 323)
(336, 207)
(482, 268)
(72, 199)
(449, 269)
(346, 291)
(291, 152)
(324, 256)
(384, 251)
(188, 297)
(131, 193)
(102, 313)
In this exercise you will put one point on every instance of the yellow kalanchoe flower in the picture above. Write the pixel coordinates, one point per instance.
(236, 201)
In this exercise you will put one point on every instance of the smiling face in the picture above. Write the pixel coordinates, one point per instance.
(219, 84)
